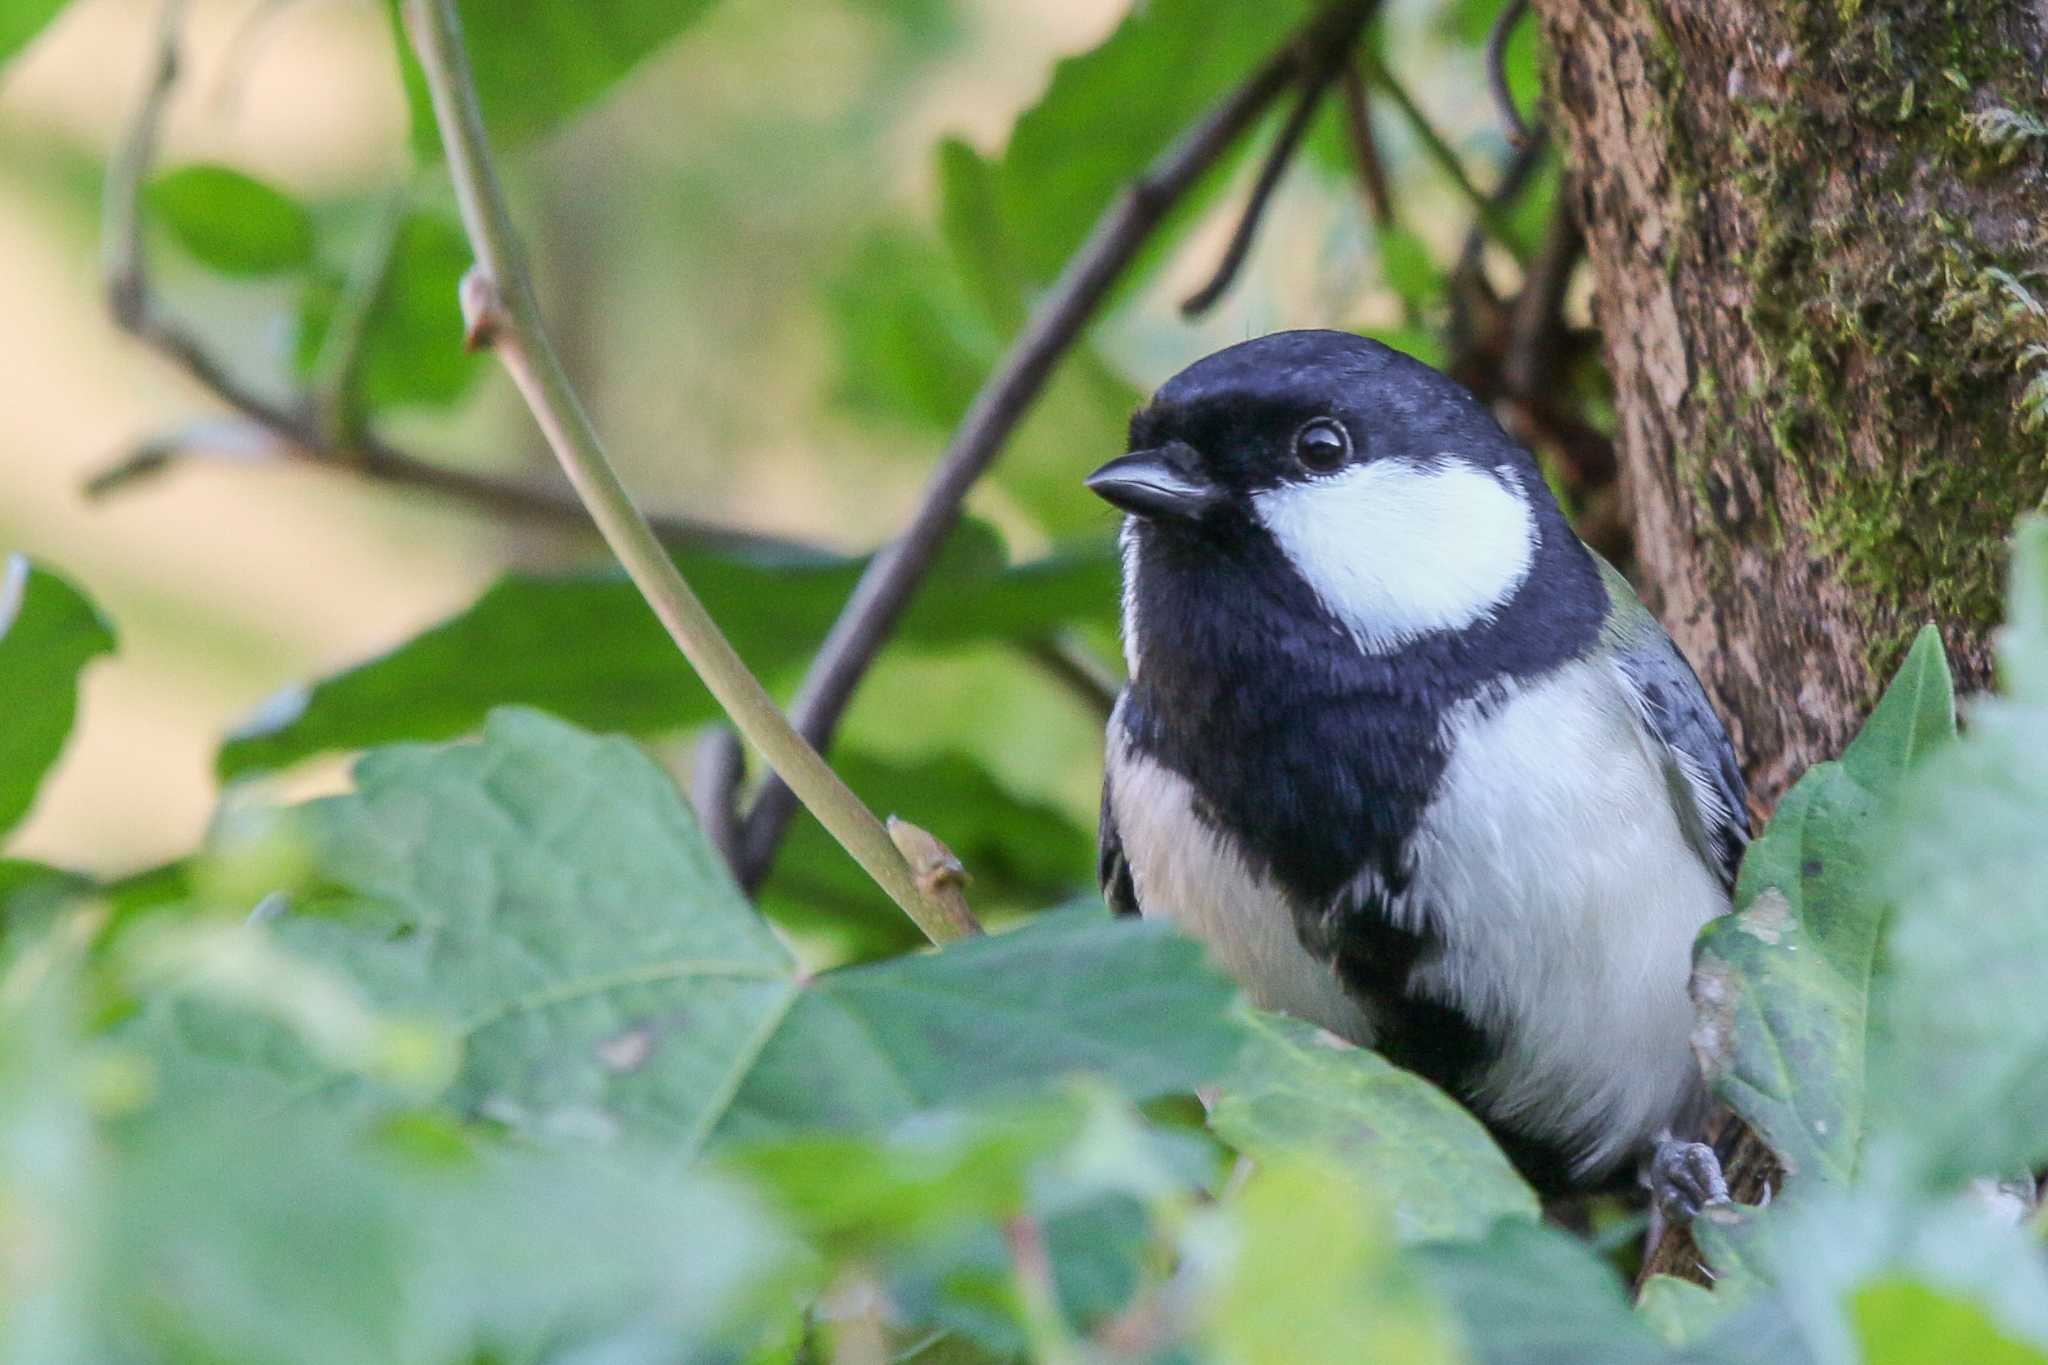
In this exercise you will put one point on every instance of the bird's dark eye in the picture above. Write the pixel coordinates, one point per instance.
(1322, 446)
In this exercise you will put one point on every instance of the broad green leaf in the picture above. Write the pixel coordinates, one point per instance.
(2023, 645)
(1298, 1092)
(919, 330)
(21, 21)
(912, 345)
(1317, 1278)
(1844, 1264)
(537, 62)
(1784, 984)
(545, 897)
(585, 647)
(1073, 991)
(1109, 111)
(25, 885)
(1679, 1311)
(1530, 1294)
(971, 223)
(232, 222)
(1965, 1072)
(1406, 264)
(1903, 1322)
(295, 1242)
(412, 346)
(49, 632)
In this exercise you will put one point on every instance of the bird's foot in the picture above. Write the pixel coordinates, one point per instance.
(1685, 1177)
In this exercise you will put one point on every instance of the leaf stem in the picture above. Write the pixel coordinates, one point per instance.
(500, 311)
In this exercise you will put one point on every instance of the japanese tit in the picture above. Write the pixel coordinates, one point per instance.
(1411, 760)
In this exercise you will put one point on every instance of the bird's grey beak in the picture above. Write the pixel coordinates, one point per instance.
(1162, 483)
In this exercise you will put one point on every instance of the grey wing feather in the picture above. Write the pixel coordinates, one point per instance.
(1672, 705)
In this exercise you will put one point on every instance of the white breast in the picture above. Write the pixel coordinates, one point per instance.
(1554, 868)
(1184, 871)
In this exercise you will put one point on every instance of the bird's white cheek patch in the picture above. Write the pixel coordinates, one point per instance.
(1397, 550)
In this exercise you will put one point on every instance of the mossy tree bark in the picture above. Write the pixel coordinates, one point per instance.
(1819, 234)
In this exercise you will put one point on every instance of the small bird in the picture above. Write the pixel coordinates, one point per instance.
(1411, 760)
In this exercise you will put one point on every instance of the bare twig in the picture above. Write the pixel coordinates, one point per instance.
(1484, 208)
(229, 436)
(1365, 147)
(1076, 666)
(716, 770)
(501, 311)
(1314, 80)
(1538, 315)
(1497, 38)
(885, 590)
(292, 424)
(335, 370)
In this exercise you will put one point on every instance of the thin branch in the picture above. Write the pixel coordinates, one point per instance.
(292, 424)
(1365, 147)
(1075, 666)
(501, 311)
(1439, 151)
(228, 436)
(716, 770)
(1314, 81)
(1497, 38)
(332, 397)
(886, 588)
(1537, 318)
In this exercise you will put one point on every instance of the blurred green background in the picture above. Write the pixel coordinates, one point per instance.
(760, 257)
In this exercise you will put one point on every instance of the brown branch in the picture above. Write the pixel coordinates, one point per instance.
(1519, 131)
(294, 425)
(1365, 147)
(885, 590)
(1075, 666)
(1314, 80)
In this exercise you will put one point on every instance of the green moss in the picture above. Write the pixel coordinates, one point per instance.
(1845, 285)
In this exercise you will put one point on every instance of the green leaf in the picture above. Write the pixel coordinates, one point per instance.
(1843, 1265)
(545, 898)
(1903, 1322)
(1965, 1074)
(1530, 1294)
(1408, 267)
(1414, 1150)
(21, 21)
(1679, 1311)
(290, 1242)
(971, 223)
(1784, 984)
(1073, 991)
(231, 222)
(585, 646)
(49, 632)
(1109, 111)
(537, 62)
(912, 345)
(2023, 646)
(412, 346)
(1316, 1278)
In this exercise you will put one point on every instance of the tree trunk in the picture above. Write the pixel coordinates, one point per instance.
(1821, 270)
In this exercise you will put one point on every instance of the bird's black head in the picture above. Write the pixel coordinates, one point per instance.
(1379, 484)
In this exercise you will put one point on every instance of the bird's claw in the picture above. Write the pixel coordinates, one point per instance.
(1684, 1178)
